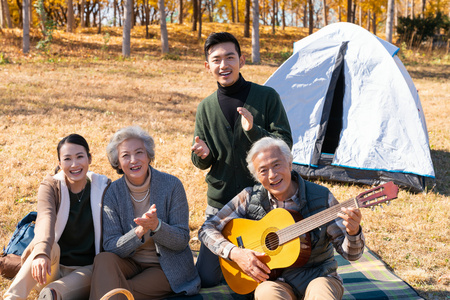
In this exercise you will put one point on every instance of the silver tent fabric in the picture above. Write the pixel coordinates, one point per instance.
(383, 125)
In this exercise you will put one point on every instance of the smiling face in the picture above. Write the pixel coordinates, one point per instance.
(74, 162)
(133, 160)
(274, 173)
(224, 63)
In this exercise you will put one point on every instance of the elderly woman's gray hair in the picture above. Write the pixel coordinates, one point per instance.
(264, 144)
(126, 133)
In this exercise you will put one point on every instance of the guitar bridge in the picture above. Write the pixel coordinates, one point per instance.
(239, 242)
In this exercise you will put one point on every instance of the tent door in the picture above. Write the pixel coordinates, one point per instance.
(331, 121)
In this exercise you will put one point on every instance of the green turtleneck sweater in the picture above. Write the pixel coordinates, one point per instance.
(229, 146)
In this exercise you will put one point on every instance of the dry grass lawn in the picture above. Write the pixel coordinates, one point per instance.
(83, 85)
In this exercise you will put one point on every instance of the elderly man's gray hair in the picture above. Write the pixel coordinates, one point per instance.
(263, 144)
(126, 133)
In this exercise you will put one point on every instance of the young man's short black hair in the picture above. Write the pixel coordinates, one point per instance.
(219, 38)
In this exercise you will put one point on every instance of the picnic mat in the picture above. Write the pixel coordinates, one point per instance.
(365, 279)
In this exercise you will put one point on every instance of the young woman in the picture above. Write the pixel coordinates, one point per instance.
(59, 259)
(145, 226)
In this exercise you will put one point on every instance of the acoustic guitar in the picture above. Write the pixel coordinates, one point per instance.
(284, 236)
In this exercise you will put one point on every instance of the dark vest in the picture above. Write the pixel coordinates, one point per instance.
(312, 198)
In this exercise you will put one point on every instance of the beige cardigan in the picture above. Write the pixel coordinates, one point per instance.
(53, 211)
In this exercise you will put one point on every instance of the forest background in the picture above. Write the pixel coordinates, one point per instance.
(76, 77)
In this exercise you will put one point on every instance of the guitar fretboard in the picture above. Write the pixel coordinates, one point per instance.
(295, 230)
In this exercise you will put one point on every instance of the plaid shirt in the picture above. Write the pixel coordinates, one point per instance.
(350, 247)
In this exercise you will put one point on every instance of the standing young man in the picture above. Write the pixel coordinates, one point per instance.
(227, 123)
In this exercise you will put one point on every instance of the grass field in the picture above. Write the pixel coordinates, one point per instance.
(83, 85)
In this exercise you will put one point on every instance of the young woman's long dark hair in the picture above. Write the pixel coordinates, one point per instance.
(72, 139)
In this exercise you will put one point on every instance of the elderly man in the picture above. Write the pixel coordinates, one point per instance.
(270, 162)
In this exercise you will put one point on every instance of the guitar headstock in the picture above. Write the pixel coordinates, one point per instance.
(377, 195)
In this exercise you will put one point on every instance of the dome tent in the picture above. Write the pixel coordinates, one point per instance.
(354, 111)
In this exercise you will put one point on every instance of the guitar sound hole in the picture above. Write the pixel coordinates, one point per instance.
(272, 241)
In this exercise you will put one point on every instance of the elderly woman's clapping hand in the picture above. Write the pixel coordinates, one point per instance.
(148, 221)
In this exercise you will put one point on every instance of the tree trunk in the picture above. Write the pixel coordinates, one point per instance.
(360, 16)
(133, 15)
(368, 20)
(374, 23)
(237, 11)
(277, 22)
(283, 16)
(354, 13)
(255, 33)
(87, 16)
(70, 16)
(121, 13)
(141, 11)
(311, 16)
(26, 26)
(324, 10)
(210, 4)
(147, 18)
(273, 16)
(349, 10)
(247, 19)
(340, 14)
(424, 3)
(200, 17)
(162, 24)
(99, 18)
(396, 12)
(19, 5)
(115, 13)
(390, 20)
(194, 14)
(305, 15)
(126, 40)
(412, 9)
(180, 13)
(82, 17)
(2, 15)
(232, 11)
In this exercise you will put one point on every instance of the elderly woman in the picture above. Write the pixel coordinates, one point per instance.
(145, 226)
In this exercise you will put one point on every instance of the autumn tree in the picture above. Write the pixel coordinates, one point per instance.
(311, 16)
(82, 7)
(274, 13)
(247, 19)
(180, 12)
(70, 16)
(325, 12)
(200, 15)
(163, 27)
(232, 11)
(390, 20)
(349, 10)
(5, 15)
(26, 26)
(126, 36)
(194, 14)
(255, 33)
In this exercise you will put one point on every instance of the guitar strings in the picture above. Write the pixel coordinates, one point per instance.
(293, 231)
(298, 229)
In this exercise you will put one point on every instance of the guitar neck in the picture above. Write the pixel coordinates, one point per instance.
(306, 225)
